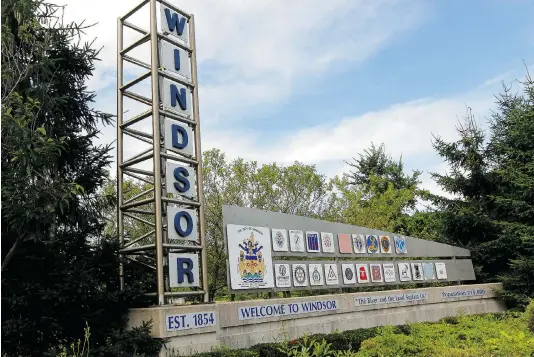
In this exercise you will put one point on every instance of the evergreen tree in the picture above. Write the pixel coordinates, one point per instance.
(511, 149)
(58, 273)
(492, 183)
(381, 182)
(465, 219)
(376, 162)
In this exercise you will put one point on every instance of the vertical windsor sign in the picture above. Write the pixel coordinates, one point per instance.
(176, 243)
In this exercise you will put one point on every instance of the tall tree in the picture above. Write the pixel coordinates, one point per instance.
(295, 189)
(371, 206)
(376, 162)
(379, 194)
(511, 151)
(54, 277)
(466, 221)
(492, 184)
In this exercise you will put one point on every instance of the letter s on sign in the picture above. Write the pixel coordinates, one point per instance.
(180, 174)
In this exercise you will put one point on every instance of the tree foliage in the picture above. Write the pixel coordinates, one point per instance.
(492, 183)
(377, 193)
(379, 205)
(295, 189)
(58, 271)
(375, 163)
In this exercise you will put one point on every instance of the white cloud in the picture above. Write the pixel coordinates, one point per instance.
(255, 52)
(252, 52)
(405, 129)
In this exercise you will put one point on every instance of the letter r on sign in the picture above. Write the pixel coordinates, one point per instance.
(185, 268)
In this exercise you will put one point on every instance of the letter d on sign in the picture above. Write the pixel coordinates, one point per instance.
(181, 223)
(178, 137)
(183, 270)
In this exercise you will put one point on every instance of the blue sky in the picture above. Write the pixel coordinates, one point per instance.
(319, 81)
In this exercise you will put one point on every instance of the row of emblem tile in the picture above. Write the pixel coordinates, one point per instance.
(315, 242)
(316, 274)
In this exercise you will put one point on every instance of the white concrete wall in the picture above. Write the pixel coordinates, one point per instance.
(235, 333)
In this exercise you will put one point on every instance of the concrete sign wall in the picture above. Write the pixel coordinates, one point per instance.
(351, 256)
(199, 328)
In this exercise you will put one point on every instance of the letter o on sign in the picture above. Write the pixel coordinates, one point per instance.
(181, 223)
(178, 223)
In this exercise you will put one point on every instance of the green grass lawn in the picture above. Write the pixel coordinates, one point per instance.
(491, 335)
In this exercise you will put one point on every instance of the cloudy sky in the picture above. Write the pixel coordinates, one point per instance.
(318, 81)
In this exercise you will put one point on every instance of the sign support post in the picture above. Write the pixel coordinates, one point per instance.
(156, 144)
(120, 217)
(198, 150)
(176, 239)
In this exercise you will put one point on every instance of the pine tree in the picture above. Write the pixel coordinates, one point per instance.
(492, 184)
(58, 272)
(375, 161)
(382, 181)
(511, 149)
(465, 218)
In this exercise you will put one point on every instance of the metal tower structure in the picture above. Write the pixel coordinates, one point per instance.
(170, 122)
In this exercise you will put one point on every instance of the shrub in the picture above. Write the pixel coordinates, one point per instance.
(356, 337)
(223, 351)
(478, 336)
(451, 320)
(269, 350)
(120, 343)
(338, 341)
(126, 343)
(530, 316)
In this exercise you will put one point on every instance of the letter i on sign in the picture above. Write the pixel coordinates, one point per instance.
(174, 59)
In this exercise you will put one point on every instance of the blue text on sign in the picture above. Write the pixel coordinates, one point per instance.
(188, 321)
(175, 21)
(180, 139)
(265, 311)
(178, 96)
(185, 269)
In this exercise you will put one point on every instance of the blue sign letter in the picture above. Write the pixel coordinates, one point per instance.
(177, 59)
(188, 220)
(180, 95)
(185, 267)
(177, 129)
(173, 21)
(180, 174)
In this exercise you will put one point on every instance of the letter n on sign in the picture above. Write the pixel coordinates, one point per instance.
(183, 270)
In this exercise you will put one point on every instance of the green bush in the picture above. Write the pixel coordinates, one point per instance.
(465, 336)
(136, 342)
(356, 337)
(508, 334)
(530, 316)
(269, 350)
(228, 353)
